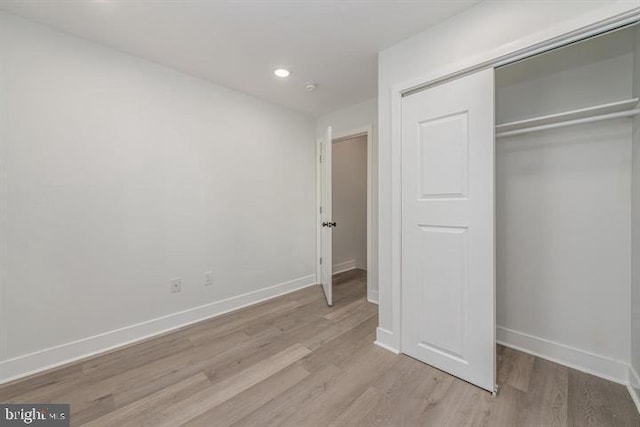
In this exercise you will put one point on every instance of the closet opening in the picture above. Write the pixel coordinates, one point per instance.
(566, 136)
(518, 217)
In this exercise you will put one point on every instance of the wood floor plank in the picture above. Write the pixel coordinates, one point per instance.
(329, 405)
(202, 335)
(521, 372)
(595, 402)
(504, 364)
(276, 411)
(114, 362)
(546, 401)
(198, 403)
(137, 412)
(471, 407)
(357, 411)
(261, 349)
(52, 379)
(295, 361)
(140, 381)
(341, 346)
(346, 310)
(253, 398)
(439, 400)
(506, 409)
(422, 392)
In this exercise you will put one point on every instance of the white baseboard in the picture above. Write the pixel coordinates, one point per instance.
(52, 357)
(344, 266)
(372, 296)
(634, 386)
(591, 363)
(385, 340)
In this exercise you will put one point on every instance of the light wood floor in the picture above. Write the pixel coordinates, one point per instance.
(293, 361)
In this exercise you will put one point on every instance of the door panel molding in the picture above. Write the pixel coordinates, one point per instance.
(447, 267)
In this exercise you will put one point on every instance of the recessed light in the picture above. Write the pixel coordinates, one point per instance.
(282, 72)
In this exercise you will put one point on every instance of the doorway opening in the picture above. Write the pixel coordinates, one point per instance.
(349, 201)
(345, 208)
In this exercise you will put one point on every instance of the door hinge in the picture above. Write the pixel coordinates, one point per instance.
(320, 209)
(320, 260)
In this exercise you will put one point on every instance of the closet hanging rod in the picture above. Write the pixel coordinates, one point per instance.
(619, 114)
(594, 110)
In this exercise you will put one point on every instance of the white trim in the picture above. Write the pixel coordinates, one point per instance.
(353, 133)
(582, 360)
(344, 266)
(560, 35)
(52, 357)
(385, 340)
(371, 276)
(396, 217)
(318, 214)
(371, 263)
(373, 297)
(634, 387)
(597, 22)
(349, 136)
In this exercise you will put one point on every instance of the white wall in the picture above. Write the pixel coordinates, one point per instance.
(349, 118)
(563, 205)
(343, 122)
(120, 174)
(349, 179)
(635, 229)
(482, 33)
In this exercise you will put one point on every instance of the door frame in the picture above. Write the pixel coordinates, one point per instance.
(553, 38)
(371, 263)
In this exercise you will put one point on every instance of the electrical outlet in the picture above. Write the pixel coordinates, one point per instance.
(176, 285)
(208, 278)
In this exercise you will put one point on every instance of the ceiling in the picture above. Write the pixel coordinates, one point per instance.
(239, 43)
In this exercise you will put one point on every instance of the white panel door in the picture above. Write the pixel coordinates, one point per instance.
(448, 304)
(326, 260)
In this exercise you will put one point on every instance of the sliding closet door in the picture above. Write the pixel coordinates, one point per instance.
(448, 309)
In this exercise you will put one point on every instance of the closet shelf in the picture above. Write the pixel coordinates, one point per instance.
(626, 108)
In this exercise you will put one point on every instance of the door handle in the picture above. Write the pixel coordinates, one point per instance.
(329, 224)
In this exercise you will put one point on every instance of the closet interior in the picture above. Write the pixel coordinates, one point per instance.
(567, 203)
